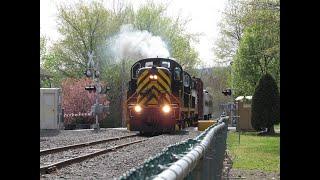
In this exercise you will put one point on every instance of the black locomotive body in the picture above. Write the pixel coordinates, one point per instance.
(162, 97)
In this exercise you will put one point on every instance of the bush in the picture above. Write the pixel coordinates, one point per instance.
(75, 100)
(265, 104)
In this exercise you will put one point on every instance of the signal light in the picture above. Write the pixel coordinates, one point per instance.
(227, 92)
(88, 73)
(97, 73)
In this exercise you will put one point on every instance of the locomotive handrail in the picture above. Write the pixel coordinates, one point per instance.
(135, 93)
(177, 100)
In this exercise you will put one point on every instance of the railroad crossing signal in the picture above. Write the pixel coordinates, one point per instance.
(227, 92)
(91, 88)
(88, 73)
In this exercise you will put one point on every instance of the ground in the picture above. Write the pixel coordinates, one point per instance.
(252, 174)
(256, 157)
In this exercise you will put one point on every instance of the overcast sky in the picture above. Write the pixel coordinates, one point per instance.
(204, 15)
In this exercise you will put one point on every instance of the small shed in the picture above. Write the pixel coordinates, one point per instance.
(50, 108)
(244, 113)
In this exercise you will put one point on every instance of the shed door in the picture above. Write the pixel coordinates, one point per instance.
(48, 119)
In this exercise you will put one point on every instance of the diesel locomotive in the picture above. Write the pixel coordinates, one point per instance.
(162, 97)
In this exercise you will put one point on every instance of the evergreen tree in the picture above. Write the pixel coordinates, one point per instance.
(266, 105)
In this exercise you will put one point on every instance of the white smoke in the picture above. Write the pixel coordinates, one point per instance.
(130, 43)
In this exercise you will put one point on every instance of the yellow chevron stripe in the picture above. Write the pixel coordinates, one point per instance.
(142, 84)
(155, 93)
(144, 99)
(156, 98)
(140, 97)
(148, 87)
(142, 76)
(156, 85)
(165, 85)
(153, 101)
(167, 99)
(164, 75)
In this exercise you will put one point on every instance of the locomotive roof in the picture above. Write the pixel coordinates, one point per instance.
(171, 60)
(159, 59)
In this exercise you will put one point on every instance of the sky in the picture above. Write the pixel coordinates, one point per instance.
(204, 16)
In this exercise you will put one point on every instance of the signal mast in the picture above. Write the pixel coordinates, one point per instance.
(92, 71)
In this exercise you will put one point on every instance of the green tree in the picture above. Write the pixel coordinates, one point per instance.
(258, 52)
(43, 48)
(151, 17)
(265, 105)
(89, 27)
(231, 29)
(250, 38)
(83, 28)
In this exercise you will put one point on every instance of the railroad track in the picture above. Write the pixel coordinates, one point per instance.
(65, 162)
(63, 148)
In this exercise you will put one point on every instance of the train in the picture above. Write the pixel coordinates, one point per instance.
(163, 98)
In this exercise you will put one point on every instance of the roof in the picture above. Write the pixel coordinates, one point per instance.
(240, 98)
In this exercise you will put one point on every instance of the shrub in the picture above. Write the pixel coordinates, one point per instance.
(265, 104)
(76, 100)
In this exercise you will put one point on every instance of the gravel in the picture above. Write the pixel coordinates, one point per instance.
(113, 164)
(51, 139)
(72, 153)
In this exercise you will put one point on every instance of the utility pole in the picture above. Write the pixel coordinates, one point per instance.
(228, 92)
(123, 95)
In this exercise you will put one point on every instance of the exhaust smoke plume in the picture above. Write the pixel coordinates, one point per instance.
(134, 44)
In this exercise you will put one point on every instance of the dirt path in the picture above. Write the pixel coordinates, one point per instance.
(252, 174)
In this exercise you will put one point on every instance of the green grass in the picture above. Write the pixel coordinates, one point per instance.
(254, 152)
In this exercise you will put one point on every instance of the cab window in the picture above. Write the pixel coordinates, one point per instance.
(135, 70)
(165, 64)
(186, 81)
(149, 64)
(177, 74)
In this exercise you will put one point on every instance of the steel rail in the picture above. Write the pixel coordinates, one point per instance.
(62, 148)
(60, 164)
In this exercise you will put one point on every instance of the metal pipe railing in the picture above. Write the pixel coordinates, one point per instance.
(204, 155)
(198, 158)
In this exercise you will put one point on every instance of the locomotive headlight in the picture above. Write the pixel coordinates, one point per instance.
(137, 108)
(166, 108)
(153, 77)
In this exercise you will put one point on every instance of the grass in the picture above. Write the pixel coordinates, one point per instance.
(254, 152)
